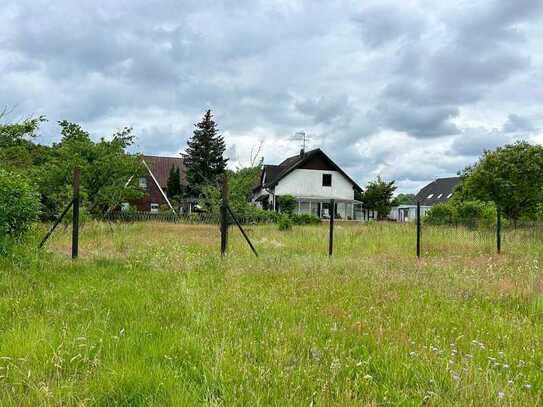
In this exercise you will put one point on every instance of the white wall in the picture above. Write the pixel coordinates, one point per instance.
(308, 183)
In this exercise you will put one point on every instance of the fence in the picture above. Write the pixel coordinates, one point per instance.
(496, 234)
(170, 217)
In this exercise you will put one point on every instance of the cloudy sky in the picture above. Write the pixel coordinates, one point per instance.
(409, 90)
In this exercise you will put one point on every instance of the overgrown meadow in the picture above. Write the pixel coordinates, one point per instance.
(150, 314)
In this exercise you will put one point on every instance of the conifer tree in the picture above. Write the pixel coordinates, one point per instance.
(204, 156)
(174, 183)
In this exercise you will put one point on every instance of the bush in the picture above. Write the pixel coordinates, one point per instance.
(286, 203)
(467, 213)
(19, 205)
(284, 222)
(305, 219)
(441, 214)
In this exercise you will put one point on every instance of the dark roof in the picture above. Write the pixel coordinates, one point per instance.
(438, 191)
(161, 166)
(274, 173)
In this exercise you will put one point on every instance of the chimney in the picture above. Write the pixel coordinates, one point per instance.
(302, 153)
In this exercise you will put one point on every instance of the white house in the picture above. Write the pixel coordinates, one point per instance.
(313, 179)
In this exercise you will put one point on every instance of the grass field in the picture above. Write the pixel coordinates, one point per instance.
(151, 315)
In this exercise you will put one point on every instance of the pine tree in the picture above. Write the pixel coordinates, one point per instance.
(204, 158)
(174, 183)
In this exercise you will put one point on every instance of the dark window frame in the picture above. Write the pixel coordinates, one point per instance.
(326, 180)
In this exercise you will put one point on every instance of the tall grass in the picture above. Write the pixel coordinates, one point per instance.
(151, 315)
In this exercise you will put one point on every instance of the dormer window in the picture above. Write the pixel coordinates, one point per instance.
(326, 180)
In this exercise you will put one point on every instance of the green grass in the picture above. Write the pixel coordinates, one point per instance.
(151, 315)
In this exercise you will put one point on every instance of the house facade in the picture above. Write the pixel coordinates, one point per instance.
(313, 179)
(155, 182)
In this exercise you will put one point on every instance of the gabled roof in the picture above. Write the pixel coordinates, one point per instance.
(274, 173)
(161, 166)
(438, 191)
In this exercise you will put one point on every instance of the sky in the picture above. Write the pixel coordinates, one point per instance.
(408, 90)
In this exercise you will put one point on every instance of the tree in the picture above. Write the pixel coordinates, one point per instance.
(174, 183)
(286, 203)
(378, 197)
(510, 176)
(404, 199)
(105, 165)
(19, 205)
(204, 156)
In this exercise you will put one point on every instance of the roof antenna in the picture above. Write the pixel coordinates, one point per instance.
(304, 138)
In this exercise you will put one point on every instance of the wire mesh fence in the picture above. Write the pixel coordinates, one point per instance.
(193, 218)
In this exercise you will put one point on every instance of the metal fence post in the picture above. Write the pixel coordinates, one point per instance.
(418, 230)
(224, 215)
(498, 230)
(75, 213)
(331, 238)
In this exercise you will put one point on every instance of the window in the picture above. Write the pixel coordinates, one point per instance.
(154, 208)
(430, 196)
(142, 182)
(326, 180)
(448, 196)
(439, 196)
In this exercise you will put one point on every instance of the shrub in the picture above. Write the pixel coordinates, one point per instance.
(305, 219)
(441, 214)
(284, 222)
(19, 205)
(287, 203)
(467, 213)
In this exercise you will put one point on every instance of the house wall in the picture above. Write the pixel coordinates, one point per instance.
(152, 195)
(308, 183)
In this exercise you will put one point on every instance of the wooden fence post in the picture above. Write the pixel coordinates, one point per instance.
(75, 213)
(224, 215)
(498, 230)
(331, 237)
(418, 230)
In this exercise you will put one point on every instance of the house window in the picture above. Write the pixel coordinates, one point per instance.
(154, 208)
(142, 182)
(430, 196)
(440, 195)
(326, 180)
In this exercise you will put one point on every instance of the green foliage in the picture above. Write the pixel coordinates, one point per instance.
(510, 177)
(378, 197)
(17, 151)
(241, 183)
(404, 199)
(467, 213)
(284, 222)
(105, 165)
(204, 159)
(286, 204)
(304, 219)
(19, 205)
(174, 187)
(371, 326)
(441, 214)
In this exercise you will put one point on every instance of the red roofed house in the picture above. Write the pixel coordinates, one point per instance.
(155, 182)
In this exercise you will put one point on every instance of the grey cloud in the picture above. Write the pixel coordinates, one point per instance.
(516, 123)
(473, 141)
(421, 121)
(344, 72)
(385, 23)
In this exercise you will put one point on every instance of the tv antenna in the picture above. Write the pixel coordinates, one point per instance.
(303, 137)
